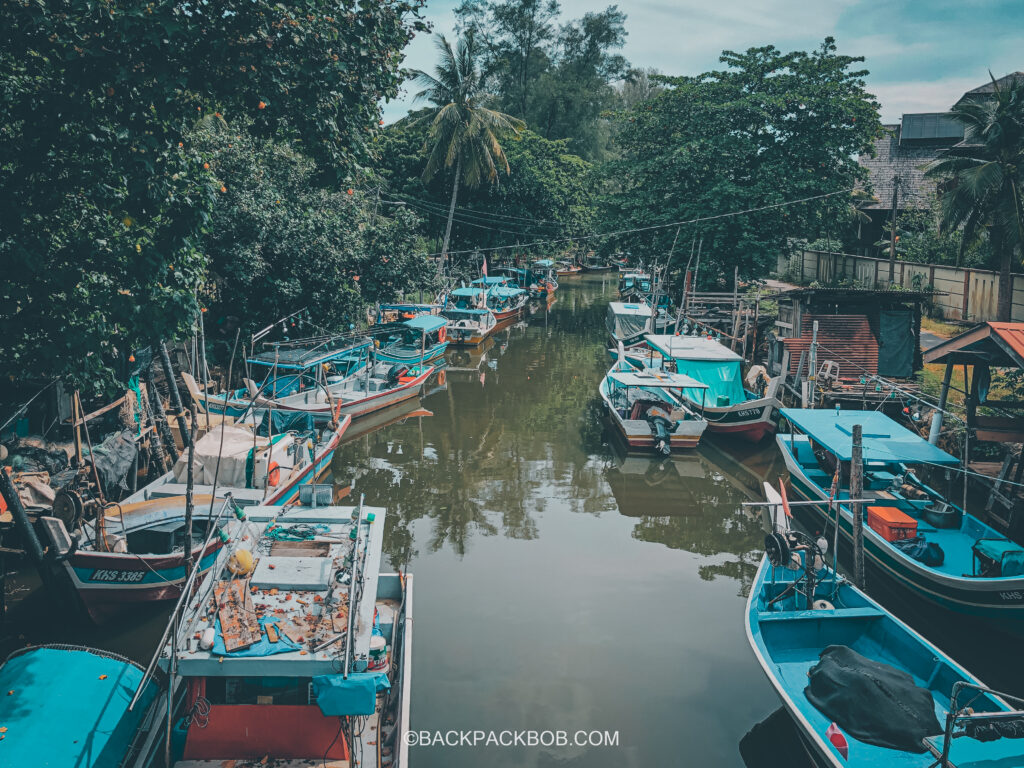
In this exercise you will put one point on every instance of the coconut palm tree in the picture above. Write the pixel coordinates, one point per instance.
(983, 177)
(464, 134)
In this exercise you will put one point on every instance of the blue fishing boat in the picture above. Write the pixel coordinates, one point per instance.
(489, 281)
(912, 534)
(67, 705)
(635, 284)
(395, 313)
(420, 339)
(544, 273)
(863, 688)
(506, 302)
(469, 319)
(285, 369)
(730, 407)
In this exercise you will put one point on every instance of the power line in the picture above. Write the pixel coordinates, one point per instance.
(481, 213)
(635, 230)
(459, 218)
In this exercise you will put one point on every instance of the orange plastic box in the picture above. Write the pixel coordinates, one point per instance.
(891, 523)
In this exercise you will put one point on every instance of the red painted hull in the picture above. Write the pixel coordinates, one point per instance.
(755, 431)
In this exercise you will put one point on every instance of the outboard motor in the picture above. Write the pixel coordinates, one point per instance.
(396, 372)
(662, 428)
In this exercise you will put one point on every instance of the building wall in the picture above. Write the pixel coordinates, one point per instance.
(971, 295)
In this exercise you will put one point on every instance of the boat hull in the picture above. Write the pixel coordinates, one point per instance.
(109, 583)
(1000, 601)
(753, 420)
(363, 406)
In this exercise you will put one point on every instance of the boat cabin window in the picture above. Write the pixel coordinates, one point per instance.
(258, 690)
(164, 538)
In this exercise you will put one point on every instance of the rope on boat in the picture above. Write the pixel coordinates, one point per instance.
(296, 532)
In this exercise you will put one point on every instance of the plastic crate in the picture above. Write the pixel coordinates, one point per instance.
(891, 523)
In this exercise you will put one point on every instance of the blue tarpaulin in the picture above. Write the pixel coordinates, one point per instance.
(883, 439)
(722, 378)
(263, 648)
(357, 695)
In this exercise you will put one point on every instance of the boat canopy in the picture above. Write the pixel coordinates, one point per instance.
(651, 378)
(627, 321)
(711, 363)
(454, 312)
(299, 359)
(408, 307)
(506, 292)
(426, 323)
(69, 706)
(470, 292)
(490, 280)
(883, 439)
(544, 263)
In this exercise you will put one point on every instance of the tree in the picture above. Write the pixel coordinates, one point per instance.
(463, 132)
(547, 193)
(770, 128)
(279, 242)
(103, 195)
(983, 179)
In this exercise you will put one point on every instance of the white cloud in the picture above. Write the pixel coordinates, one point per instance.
(916, 96)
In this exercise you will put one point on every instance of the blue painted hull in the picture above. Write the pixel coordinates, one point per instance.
(433, 353)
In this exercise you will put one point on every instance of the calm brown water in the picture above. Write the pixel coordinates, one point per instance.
(559, 585)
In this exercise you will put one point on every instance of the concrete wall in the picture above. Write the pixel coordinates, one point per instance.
(971, 294)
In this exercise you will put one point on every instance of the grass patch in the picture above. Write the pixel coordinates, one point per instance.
(940, 328)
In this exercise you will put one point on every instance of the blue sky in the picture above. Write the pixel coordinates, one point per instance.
(921, 54)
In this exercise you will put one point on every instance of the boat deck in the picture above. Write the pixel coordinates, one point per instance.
(292, 587)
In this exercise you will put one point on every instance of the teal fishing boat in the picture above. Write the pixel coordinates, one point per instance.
(864, 689)
(64, 705)
(286, 368)
(912, 534)
(506, 302)
(420, 339)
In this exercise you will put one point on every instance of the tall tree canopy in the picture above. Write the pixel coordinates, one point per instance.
(985, 176)
(559, 79)
(104, 196)
(769, 128)
(465, 136)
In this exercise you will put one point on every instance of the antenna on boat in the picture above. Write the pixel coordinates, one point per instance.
(352, 596)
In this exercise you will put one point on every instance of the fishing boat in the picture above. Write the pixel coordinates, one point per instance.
(635, 284)
(66, 705)
(863, 688)
(506, 302)
(645, 414)
(629, 323)
(386, 314)
(912, 535)
(567, 269)
(135, 552)
(469, 319)
(730, 408)
(596, 267)
(376, 386)
(545, 280)
(284, 369)
(296, 651)
(419, 339)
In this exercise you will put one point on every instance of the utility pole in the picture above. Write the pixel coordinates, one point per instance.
(856, 493)
(892, 230)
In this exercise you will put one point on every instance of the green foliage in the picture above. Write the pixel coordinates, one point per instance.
(983, 191)
(102, 194)
(768, 129)
(557, 79)
(546, 194)
(279, 242)
(921, 240)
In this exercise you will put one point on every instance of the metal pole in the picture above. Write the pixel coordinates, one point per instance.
(892, 230)
(813, 371)
(856, 491)
(190, 484)
(204, 373)
(350, 631)
(936, 428)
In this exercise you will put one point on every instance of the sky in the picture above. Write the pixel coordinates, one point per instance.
(921, 54)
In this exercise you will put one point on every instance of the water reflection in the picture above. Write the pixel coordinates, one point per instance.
(546, 558)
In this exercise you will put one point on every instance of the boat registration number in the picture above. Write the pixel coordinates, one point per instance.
(749, 412)
(129, 577)
(1012, 596)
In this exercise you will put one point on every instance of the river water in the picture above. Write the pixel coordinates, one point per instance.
(559, 585)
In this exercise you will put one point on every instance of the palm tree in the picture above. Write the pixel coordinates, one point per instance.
(983, 173)
(463, 133)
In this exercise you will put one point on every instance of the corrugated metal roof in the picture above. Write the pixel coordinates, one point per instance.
(930, 126)
(998, 344)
